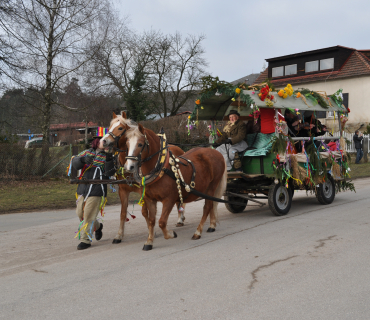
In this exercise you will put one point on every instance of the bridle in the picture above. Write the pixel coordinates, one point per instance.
(138, 158)
(116, 139)
(158, 170)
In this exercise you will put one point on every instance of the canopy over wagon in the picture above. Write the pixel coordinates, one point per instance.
(215, 105)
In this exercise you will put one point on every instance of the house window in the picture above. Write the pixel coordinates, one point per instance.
(312, 66)
(330, 114)
(277, 72)
(291, 69)
(327, 64)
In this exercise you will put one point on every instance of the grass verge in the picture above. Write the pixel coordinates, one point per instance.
(360, 170)
(25, 196)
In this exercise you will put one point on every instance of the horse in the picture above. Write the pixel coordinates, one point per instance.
(202, 169)
(117, 127)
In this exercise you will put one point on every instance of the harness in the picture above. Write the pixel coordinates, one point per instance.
(163, 159)
(175, 173)
(117, 138)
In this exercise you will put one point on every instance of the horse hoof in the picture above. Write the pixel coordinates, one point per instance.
(195, 237)
(116, 241)
(179, 224)
(174, 234)
(147, 247)
(211, 230)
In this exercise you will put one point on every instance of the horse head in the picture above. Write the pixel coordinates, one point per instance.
(117, 129)
(137, 146)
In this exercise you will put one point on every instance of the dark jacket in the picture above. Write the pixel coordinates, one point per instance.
(293, 129)
(358, 141)
(316, 131)
(235, 132)
(98, 171)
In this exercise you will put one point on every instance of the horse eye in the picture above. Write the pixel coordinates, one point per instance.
(120, 129)
(140, 145)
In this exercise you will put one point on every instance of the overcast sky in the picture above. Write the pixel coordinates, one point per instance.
(241, 34)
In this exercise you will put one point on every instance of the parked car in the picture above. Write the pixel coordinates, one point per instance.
(35, 142)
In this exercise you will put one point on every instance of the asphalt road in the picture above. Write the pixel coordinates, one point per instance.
(311, 264)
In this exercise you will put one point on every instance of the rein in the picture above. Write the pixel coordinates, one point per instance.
(191, 145)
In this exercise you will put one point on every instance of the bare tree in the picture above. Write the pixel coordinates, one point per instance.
(177, 64)
(171, 66)
(7, 58)
(51, 37)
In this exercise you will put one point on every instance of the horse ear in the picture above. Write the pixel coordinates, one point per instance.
(141, 128)
(114, 115)
(161, 131)
(123, 114)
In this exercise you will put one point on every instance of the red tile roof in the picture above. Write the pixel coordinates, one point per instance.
(262, 77)
(358, 64)
(75, 125)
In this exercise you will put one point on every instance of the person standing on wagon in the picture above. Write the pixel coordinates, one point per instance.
(232, 138)
(95, 164)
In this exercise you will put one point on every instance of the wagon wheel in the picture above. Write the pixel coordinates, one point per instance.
(233, 208)
(280, 199)
(325, 192)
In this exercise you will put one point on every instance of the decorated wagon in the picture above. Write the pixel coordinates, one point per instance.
(271, 167)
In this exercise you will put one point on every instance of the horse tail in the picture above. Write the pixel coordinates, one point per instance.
(220, 191)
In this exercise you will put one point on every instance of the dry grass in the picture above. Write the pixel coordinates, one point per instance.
(24, 196)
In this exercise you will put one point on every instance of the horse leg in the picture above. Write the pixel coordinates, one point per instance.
(167, 208)
(181, 217)
(208, 206)
(213, 217)
(145, 213)
(152, 210)
(123, 194)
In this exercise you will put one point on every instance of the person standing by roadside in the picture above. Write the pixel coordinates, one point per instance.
(97, 164)
(357, 138)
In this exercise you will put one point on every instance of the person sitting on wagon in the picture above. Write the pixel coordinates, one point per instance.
(313, 127)
(293, 123)
(232, 138)
(97, 164)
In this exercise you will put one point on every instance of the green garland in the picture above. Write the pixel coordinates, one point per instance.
(344, 185)
(315, 97)
(317, 166)
(211, 85)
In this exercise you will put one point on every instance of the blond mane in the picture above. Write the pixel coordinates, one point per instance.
(133, 128)
(134, 132)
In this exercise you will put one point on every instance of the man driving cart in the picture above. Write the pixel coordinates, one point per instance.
(232, 138)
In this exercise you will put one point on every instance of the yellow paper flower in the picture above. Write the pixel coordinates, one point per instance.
(285, 95)
(298, 95)
(189, 117)
(237, 90)
(202, 107)
(281, 93)
(197, 101)
(233, 99)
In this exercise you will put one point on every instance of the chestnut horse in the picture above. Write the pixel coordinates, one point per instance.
(210, 179)
(118, 126)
